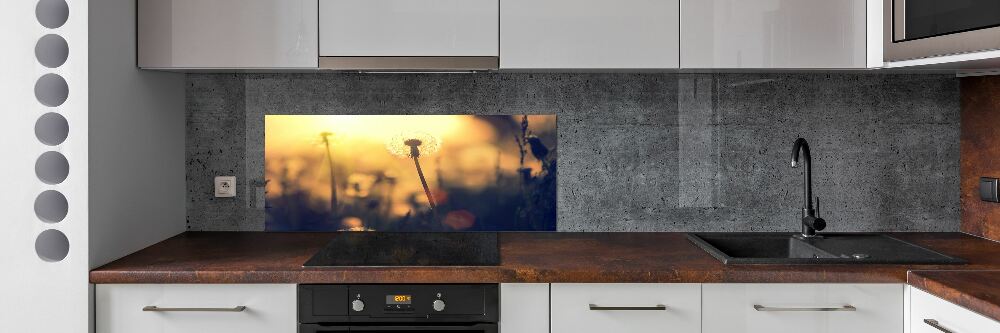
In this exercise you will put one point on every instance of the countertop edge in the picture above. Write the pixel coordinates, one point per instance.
(935, 282)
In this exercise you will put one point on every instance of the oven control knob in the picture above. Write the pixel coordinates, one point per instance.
(358, 305)
(438, 305)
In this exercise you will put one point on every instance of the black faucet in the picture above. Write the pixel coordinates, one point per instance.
(810, 221)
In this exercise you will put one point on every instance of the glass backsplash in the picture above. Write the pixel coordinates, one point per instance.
(418, 173)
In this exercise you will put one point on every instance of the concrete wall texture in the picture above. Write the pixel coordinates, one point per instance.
(638, 152)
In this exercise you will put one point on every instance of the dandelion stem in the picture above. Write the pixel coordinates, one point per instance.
(333, 182)
(414, 145)
(427, 190)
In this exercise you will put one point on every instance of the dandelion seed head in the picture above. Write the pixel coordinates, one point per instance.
(328, 138)
(402, 144)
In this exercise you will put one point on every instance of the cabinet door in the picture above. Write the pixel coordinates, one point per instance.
(582, 34)
(627, 307)
(927, 310)
(227, 34)
(524, 307)
(803, 308)
(425, 28)
(270, 308)
(773, 34)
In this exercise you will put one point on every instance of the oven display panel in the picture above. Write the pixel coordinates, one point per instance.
(398, 299)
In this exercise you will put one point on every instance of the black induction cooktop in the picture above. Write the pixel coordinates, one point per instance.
(409, 249)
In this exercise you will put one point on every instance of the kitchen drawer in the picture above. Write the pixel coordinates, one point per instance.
(633, 308)
(802, 308)
(948, 316)
(270, 308)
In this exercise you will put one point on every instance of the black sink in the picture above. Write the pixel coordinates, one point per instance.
(835, 248)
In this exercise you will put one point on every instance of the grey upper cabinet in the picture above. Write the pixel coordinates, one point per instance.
(589, 34)
(762, 34)
(510, 34)
(220, 34)
(409, 34)
(403, 28)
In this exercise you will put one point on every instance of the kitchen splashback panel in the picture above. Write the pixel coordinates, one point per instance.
(413, 173)
(637, 152)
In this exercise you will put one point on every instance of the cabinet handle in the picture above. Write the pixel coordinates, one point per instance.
(595, 307)
(768, 308)
(934, 323)
(159, 309)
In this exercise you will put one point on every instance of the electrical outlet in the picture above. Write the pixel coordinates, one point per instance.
(988, 189)
(225, 186)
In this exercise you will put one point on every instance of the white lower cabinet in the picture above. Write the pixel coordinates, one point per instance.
(627, 307)
(803, 308)
(569, 308)
(187, 308)
(930, 314)
(524, 307)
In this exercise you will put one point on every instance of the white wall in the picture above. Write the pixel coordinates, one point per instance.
(38, 295)
(136, 141)
(125, 125)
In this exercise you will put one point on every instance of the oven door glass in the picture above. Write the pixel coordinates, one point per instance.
(930, 18)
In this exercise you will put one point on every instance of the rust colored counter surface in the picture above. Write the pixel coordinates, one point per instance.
(978, 291)
(259, 257)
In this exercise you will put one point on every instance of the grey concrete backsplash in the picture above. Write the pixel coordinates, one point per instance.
(638, 152)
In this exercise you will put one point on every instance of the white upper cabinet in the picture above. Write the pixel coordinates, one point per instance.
(409, 28)
(227, 34)
(589, 34)
(779, 34)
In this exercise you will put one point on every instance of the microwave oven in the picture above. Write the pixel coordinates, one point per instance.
(915, 29)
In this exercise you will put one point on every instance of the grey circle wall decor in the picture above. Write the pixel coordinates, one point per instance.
(52, 13)
(52, 245)
(51, 51)
(51, 206)
(51, 90)
(52, 167)
(51, 128)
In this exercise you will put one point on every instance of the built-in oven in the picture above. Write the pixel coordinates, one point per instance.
(378, 308)
(916, 29)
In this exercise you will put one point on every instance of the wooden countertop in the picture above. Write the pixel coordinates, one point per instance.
(258, 257)
(978, 291)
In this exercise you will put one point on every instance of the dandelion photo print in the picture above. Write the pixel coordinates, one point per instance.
(410, 173)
